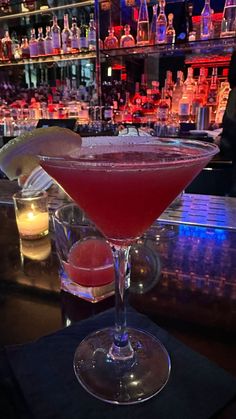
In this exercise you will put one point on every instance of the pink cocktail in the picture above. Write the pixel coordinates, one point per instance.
(123, 189)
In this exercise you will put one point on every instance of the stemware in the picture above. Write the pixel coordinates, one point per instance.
(123, 188)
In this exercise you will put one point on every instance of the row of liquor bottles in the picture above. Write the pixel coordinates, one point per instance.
(56, 41)
(176, 102)
(160, 29)
(180, 100)
(75, 38)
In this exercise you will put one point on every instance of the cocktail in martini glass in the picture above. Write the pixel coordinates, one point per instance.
(123, 188)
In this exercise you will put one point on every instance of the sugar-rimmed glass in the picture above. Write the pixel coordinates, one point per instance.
(123, 188)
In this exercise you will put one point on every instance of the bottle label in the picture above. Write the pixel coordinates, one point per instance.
(184, 109)
(56, 41)
(48, 46)
(108, 113)
(127, 43)
(75, 43)
(84, 42)
(161, 33)
(33, 49)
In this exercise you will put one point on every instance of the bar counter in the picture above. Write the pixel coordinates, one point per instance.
(191, 294)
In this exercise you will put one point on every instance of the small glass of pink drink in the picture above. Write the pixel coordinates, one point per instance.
(123, 189)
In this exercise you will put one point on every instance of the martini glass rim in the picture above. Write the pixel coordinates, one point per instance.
(85, 157)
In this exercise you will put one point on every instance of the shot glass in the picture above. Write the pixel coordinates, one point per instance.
(86, 262)
(31, 211)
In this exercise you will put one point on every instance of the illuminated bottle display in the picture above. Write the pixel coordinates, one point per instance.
(206, 21)
(161, 23)
(143, 25)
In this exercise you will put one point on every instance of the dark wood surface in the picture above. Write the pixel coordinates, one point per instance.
(192, 294)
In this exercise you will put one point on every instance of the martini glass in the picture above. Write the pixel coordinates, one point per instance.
(123, 188)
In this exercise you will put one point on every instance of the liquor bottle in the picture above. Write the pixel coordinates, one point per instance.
(155, 92)
(92, 34)
(127, 109)
(196, 104)
(33, 44)
(30, 5)
(75, 36)
(177, 92)
(111, 40)
(190, 34)
(127, 40)
(206, 21)
(228, 25)
(143, 24)
(48, 45)
(223, 99)
(213, 95)
(190, 84)
(203, 85)
(137, 98)
(41, 48)
(137, 112)
(25, 51)
(7, 47)
(163, 108)
(83, 36)
(212, 98)
(56, 36)
(108, 113)
(161, 23)
(169, 86)
(66, 36)
(148, 106)
(170, 30)
(153, 28)
(184, 106)
(1, 53)
(16, 49)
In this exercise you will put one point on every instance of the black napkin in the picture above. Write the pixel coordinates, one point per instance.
(44, 371)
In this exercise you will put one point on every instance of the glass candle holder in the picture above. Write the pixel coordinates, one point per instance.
(32, 216)
(86, 263)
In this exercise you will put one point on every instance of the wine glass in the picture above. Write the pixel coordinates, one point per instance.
(123, 188)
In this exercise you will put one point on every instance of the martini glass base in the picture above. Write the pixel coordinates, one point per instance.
(125, 381)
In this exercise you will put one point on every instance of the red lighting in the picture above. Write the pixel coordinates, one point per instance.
(216, 17)
(118, 67)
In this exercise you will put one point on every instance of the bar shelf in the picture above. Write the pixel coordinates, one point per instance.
(51, 59)
(45, 10)
(216, 46)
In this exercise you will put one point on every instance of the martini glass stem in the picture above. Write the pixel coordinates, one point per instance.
(121, 348)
